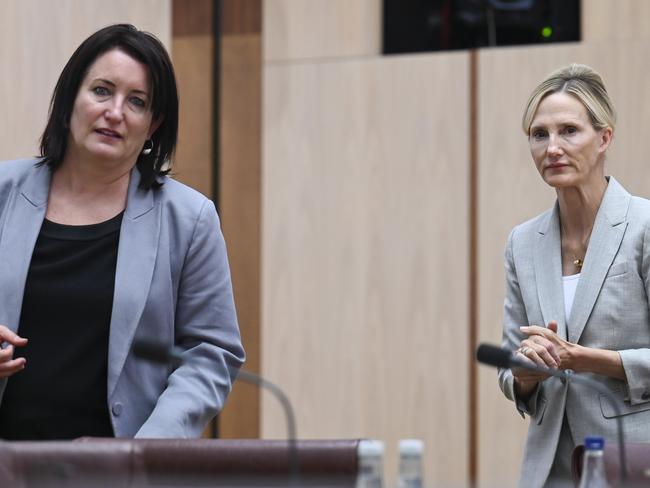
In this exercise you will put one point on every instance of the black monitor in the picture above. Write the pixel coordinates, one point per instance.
(411, 26)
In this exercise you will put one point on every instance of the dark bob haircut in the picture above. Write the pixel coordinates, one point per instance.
(148, 50)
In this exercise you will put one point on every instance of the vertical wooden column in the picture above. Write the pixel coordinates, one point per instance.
(194, 62)
(193, 56)
(217, 51)
(239, 187)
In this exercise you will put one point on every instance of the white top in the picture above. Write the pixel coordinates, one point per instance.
(570, 284)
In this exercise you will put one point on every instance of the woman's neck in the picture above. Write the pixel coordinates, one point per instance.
(85, 194)
(82, 174)
(578, 208)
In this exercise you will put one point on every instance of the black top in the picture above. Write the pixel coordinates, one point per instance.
(66, 313)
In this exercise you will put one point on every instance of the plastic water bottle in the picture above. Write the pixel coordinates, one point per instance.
(593, 464)
(371, 464)
(410, 463)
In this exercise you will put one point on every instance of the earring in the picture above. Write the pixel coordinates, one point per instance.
(147, 150)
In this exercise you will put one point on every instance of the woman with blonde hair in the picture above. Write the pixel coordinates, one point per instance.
(576, 281)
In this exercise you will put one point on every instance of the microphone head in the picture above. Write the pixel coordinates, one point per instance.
(494, 356)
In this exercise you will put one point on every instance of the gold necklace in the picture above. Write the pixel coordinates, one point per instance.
(578, 262)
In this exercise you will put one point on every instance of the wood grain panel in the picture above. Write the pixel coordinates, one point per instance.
(240, 203)
(36, 39)
(307, 29)
(241, 17)
(193, 162)
(604, 20)
(365, 246)
(193, 17)
(511, 191)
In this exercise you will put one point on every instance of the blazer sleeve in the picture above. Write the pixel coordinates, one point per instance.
(206, 331)
(514, 316)
(636, 362)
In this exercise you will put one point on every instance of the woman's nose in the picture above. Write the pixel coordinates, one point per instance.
(114, 112)
(553, 147)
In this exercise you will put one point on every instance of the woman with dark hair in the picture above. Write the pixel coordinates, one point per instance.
(101, 249)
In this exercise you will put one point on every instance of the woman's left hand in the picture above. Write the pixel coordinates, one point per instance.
(566, 351)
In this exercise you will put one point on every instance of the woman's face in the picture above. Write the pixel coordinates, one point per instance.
(111, 117)
(566, 148)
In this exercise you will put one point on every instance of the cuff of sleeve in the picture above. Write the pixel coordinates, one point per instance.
(528, 407)
(638, 382)
(524, 408)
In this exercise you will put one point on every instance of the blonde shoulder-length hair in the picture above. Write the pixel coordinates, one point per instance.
(580, 81)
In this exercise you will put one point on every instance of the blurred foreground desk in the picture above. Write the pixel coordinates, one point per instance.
(118, 463)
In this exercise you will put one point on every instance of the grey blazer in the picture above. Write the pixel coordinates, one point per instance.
(610, 311)
(172, 284)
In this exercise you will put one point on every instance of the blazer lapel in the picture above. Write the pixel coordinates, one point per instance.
(23, 222)
(136, 258)
(548, 271)
(606, 236)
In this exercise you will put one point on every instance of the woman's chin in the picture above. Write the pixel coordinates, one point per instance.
(561, 181)
(109, 155)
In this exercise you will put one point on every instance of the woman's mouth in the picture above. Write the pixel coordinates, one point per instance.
(556, 165)
(109, 133)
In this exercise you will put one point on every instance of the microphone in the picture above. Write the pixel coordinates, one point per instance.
(503, 358)
(160, 353)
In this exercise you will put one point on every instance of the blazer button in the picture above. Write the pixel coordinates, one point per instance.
(117, 409)
(646, 395)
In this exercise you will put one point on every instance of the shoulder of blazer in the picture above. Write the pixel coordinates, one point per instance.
(531, 228)
(26, 174)
(176, 195)
(18, 170)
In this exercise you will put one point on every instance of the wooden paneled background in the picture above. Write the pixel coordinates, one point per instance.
(359, 315)
(345, 184)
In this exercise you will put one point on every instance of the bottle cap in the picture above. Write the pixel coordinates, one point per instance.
(594, 443)
(411, 447)
(370, 448)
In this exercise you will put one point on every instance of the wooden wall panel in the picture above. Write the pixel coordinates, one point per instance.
(365, 247)
(193, 57)
(308, 29)
(240, 203)
(511, 191)
(616, 21)
(36, 39)
(238, 134)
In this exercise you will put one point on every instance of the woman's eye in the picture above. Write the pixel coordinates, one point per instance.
(538, 134)
(571, 130)
(138, 102)
(101, 91)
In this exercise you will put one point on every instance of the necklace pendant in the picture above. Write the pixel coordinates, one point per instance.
(578, 263)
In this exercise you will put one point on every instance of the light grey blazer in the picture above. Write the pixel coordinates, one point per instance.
(610, 311)
(172, 285)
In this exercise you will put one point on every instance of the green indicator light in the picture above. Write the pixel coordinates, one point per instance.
(547, 32)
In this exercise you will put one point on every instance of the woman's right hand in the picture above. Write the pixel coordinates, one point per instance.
(536, 351)
(9, 340)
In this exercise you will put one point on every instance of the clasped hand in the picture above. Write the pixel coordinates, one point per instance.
(542, 347)
(9, 340)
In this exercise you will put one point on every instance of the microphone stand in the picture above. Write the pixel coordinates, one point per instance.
(275, 390)
(162, 353)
